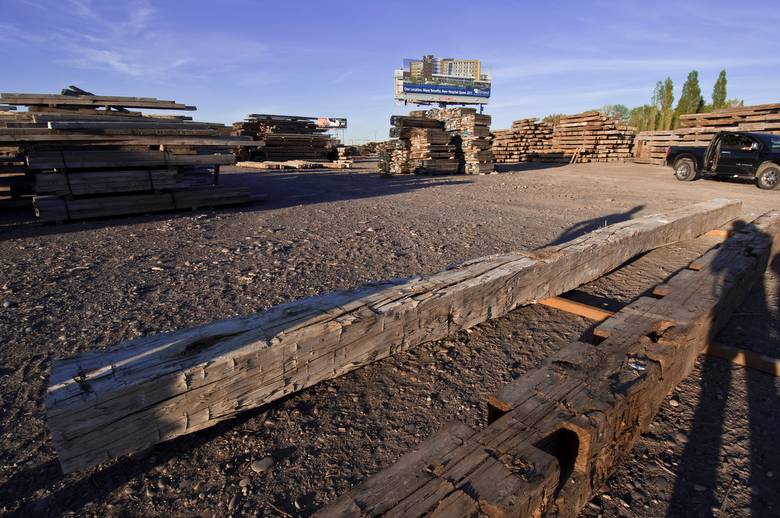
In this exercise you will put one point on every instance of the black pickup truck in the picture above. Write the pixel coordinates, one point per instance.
(730, 155)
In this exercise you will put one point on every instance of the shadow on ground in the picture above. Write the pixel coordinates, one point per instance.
(698, 473)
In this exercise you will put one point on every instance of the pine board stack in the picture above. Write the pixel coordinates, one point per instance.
(422, 147)
(699, 128)
(284, 137)
(589, 137)
(522, 142)
(84, 155)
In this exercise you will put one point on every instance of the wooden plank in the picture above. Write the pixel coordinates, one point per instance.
(745, 358)
(38, 160)
(577, 308)
(91, 100)
(585, 407)
(107, 403)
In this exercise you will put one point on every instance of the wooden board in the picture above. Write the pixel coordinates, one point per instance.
(108, 403)
(562, 428)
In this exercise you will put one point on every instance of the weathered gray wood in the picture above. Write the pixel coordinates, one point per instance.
(91, 100)
(114, 402)
(586, 406)
(37, 160)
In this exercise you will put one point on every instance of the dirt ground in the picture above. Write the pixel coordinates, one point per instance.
(75, 287)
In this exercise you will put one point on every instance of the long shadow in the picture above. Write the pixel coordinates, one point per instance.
(521, 167)
(589, 225)
(276, 189)
(695, 487)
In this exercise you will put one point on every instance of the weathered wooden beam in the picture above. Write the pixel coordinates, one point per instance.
(560, 430)
(107, 403)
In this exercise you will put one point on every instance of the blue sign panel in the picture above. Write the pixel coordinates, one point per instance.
(468, 91)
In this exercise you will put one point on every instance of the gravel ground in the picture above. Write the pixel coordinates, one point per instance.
(82, 286)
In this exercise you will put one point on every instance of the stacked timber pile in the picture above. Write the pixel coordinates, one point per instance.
(522, 142)
(284, 137)
(589, 137)
(469, 133)
(343, 160)
(422, 146)
(86, 156)
(584, 137)
(650, 146)
(699, 128)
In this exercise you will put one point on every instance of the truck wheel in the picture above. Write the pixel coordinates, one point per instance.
(768, 176)
(685, 170)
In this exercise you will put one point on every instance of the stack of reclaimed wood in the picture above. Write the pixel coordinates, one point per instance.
(343, 160)
(699, 128)
(422, 147)
(284, 137)
(87, 156)
(469, 132)
(650, 146)
(590, 137)
(522, 142)
(584, 137)
(394, 158)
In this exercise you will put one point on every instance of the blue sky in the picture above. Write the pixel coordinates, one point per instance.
(337, 58)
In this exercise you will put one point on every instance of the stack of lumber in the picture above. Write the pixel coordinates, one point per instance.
(284, 137)
(422, 147)
(394, 157)
(523, 142)
(699, 128)
(85, 155)
(469, 132)
(584, 137)
(589, 137)
(102, 404)
(650, 146)
(343, 161)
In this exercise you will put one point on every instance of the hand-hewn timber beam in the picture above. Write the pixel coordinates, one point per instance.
(114, 402)
(558, 431)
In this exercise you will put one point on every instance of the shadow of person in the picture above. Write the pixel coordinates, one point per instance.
(700, 468)
(589, 225)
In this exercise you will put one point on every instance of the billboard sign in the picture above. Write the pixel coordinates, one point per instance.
(331, 122)
(442, 80)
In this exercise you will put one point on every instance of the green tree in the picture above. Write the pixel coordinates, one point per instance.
(667, 103)
(644, 117)
(616, 111)
(691, 100)
(719, 92)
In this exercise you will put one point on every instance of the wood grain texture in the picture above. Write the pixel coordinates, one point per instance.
(563, 427)
(103, 404)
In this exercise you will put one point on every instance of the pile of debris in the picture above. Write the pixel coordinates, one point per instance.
(422, 147)
(699, 128)
(284, 137)
(522, 142)
(469, 132)
(78, 155)
(585, 137)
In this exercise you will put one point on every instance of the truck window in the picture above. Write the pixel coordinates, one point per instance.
(737, 143)
(774, 144)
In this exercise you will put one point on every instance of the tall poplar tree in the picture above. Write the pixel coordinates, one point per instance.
(719, 92)
(691, 100)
